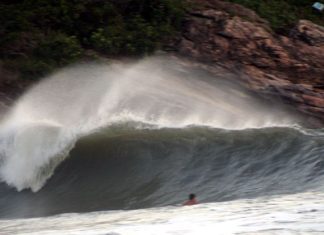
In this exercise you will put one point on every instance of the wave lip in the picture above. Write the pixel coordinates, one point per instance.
(30, 154)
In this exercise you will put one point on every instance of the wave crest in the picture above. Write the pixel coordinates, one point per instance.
(157, 92)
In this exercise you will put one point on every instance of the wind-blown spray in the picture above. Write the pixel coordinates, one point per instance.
(46, 122)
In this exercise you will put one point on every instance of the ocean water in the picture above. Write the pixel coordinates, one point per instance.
(116, 149)
(287, 214)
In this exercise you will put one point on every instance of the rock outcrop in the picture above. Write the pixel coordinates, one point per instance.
(290, 67)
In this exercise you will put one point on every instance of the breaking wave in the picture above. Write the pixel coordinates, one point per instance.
(142, 134)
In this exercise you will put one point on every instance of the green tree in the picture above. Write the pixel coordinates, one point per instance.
(38, 36)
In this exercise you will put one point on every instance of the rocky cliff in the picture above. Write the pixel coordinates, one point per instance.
(289, 66)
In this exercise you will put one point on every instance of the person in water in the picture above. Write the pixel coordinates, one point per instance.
(192, 200)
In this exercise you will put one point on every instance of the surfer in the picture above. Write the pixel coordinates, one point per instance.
(192, 200)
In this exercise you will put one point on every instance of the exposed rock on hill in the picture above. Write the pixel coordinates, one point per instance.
(290, 67)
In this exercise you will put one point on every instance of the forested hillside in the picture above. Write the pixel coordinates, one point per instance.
(37, 36)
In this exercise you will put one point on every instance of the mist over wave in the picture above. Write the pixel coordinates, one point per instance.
(46, 122)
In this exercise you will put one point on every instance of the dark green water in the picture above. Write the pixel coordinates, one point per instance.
(126, 168)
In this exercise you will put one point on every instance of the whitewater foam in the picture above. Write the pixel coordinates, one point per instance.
(46, 122)
(30, 153)
(290, 214)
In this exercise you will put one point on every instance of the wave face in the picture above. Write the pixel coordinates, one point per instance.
(145, 111)
(127, 168)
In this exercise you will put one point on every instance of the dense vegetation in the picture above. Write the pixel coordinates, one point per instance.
(37, 36)
(283, 14)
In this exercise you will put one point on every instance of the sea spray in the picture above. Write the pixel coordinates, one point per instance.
(30, 153)
(156, 92)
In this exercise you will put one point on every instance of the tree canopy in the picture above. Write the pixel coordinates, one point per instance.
(39, 35)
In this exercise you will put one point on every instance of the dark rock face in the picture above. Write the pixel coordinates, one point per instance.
(309, 33)
(291, 68)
